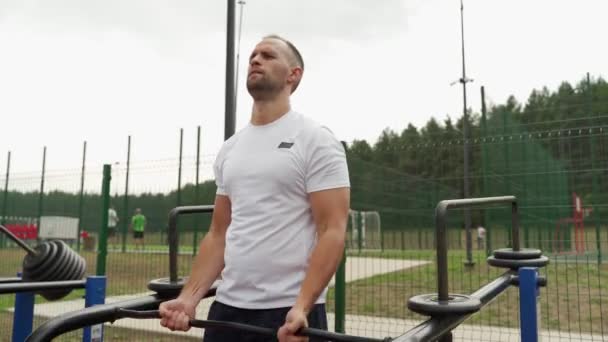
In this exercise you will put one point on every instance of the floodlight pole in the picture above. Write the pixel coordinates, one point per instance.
(465, 133)
(230, 102)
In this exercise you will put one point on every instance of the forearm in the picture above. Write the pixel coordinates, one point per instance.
(207, 266)
(324, 261)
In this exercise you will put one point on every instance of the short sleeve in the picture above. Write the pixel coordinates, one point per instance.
(218, 172)
(326, 166)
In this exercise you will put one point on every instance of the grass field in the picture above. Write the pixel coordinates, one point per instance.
(573, 301)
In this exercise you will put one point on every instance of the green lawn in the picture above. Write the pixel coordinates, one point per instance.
(574, 300)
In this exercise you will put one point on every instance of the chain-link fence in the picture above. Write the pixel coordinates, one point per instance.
(557, 169)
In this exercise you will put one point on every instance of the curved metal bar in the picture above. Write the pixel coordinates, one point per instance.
(90, 316)
(436, 327)
(41, 286)
(173, 243)
(96, 315)
(441, 213)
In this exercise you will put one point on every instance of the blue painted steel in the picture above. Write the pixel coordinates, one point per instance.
(528, 294)
(24, 316)
(95, 294)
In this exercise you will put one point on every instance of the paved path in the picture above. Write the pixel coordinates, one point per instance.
(379, 327)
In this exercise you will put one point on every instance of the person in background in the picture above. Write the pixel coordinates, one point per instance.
(138, 225)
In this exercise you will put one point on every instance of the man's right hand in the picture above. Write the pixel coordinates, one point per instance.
(177, 313)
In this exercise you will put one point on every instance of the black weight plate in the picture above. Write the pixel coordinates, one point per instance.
(34, 261)
(53, 270)
(34, 266)
(429, 305)
(68, 267)
(55, 294)
(81, 268)
(515, 264)
(524, 253)
(165, 288)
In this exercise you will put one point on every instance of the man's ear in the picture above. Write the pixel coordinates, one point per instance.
(295, 77)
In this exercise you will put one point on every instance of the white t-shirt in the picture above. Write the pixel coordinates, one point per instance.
(267, 172)
(481, 232)
(112, 218)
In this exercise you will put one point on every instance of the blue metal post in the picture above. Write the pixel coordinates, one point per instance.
(528, 294)
(24, 315)
(95, 294)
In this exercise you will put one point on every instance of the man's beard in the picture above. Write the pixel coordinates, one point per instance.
(263, 88)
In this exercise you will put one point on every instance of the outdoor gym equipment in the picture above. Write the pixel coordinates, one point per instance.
(50, 261)
(170, 287)
(446, 310)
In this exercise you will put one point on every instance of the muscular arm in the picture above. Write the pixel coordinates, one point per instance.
(209, 262)
(330, 213)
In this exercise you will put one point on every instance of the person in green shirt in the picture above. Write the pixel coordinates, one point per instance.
(138, 224)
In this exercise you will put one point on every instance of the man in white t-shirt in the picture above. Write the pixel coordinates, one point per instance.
(112, 224)
(281, 209)
(481, 236)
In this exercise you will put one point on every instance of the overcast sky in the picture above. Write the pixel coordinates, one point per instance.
(100, 70)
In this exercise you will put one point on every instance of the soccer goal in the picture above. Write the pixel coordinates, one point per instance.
(365, 230)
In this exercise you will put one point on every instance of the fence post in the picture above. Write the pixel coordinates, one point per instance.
(40, 197)
(81, 197)
(5, 201)
(340, 296)
(196, 190)
(95, 294)
(528, 296)
(103, 231)
(595, 189)
(485, 170)
(125, 214)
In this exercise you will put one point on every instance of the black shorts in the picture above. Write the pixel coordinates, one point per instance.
(111, 231)
(268, 318)
(138, 235)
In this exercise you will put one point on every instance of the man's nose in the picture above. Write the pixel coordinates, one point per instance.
(255, 60)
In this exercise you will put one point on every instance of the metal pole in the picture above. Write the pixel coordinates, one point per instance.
(81, 197)
(95, 294)
(103, 231)
(595, 182)
(179, 170)
(230, 114)
(465, 133)
(507, 166)
(340, 302)
(528, 298)
(5, 201)
(125, 211)
(196, 189)
(485, 171)
(40, 202)
(24, 310)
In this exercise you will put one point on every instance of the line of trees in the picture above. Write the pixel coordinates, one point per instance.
(433, 153)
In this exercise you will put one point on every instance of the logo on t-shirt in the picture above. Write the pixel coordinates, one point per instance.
(285, 145)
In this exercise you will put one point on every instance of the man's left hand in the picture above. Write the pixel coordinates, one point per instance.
(294, 321)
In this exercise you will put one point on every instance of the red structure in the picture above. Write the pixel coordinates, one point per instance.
(23, 231)
(578, 221)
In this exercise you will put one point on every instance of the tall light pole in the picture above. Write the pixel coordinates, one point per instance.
(465, 135)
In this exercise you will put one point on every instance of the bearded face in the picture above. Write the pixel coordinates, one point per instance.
(269, 70)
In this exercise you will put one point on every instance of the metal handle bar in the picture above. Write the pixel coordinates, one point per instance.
(41, 286)
(173, 243)
(310, 332)
(441, 213)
